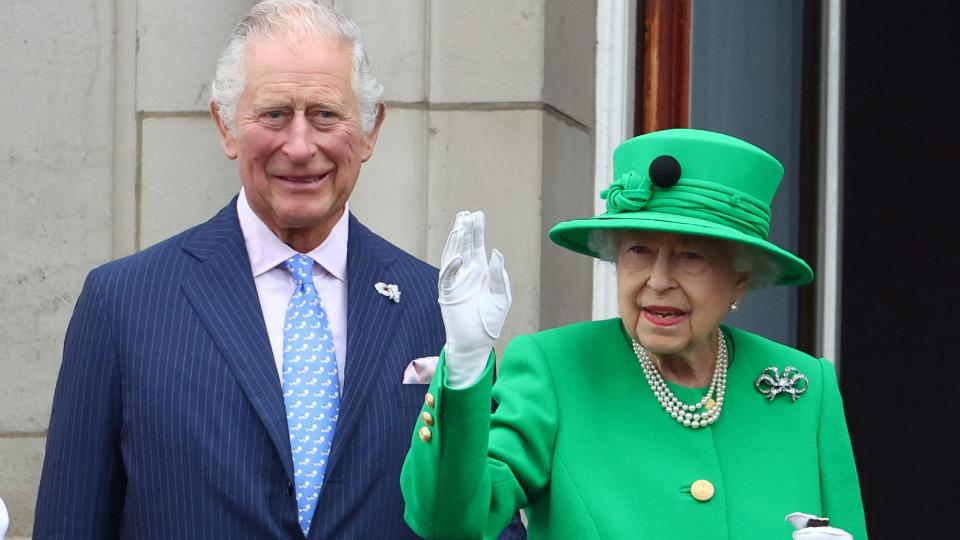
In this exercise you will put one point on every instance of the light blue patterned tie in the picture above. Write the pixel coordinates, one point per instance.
(310, 386)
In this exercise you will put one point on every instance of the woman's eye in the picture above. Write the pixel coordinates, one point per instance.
(640, 249)
(691, 256)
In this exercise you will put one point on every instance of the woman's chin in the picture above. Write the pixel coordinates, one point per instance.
(662, 345)
(661, 338)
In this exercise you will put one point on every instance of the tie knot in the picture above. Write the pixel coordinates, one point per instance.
(300, 268)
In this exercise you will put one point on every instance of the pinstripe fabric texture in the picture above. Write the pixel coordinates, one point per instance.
(168, 420)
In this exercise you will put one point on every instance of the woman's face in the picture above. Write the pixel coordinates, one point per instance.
(675, 289)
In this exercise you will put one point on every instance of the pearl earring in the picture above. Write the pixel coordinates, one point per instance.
(734, 306)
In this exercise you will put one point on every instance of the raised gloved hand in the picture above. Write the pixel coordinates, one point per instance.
(810, 527)
(474, 299)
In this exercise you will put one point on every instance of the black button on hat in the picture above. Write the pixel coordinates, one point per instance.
(664, 171)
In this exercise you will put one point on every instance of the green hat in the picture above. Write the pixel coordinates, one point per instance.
(688, 181)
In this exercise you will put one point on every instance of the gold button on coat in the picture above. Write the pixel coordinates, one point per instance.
(429, 400)
(427, 418)
(702, 490)
(425, 434)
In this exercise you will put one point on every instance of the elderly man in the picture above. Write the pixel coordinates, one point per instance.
(259, 375)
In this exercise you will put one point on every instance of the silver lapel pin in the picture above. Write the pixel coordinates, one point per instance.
(391, 291)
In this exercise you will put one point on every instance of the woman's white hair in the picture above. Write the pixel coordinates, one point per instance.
(273, 19)
(764, 270)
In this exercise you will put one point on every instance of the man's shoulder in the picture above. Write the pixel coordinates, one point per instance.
(164, 256)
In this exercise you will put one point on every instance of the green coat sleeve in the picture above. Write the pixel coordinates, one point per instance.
(474, 471)
(840, 487)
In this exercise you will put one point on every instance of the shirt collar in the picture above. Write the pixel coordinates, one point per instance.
(267, 251)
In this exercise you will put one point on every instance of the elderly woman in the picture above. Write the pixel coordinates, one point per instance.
(662, 423)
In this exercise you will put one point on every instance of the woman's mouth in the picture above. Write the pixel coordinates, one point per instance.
(663, 315)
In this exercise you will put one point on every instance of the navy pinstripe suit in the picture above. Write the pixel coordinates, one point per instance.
(168, 419)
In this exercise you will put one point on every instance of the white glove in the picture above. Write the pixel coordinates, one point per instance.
(474, 299)
(4, 520)
(803, 532)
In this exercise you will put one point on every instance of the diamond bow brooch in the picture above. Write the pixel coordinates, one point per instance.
(771, 384)
(391, 291)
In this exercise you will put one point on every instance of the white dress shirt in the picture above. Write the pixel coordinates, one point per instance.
(275, 286)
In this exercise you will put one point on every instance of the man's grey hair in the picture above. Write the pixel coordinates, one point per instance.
(273, 19)
(763, 269)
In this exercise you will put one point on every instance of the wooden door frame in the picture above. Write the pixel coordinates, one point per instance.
(663, 69)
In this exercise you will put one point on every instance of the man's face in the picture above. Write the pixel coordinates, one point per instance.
(298, 140)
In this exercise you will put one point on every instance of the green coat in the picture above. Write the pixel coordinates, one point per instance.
(580, 441)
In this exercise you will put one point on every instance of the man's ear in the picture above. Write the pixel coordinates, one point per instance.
(370, 139)
(227, 141)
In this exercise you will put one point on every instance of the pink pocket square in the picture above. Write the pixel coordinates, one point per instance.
(420, 371)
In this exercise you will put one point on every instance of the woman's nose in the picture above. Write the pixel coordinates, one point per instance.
(661, 273)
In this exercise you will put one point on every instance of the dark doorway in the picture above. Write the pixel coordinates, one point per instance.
(900, 280)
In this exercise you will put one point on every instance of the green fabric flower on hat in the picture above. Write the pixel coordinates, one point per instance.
(629, 193)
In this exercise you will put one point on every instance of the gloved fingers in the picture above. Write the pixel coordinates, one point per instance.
(464, 247)
(455, 238)
(448, 277)
(450, 248)
(499, 280)
(479, 249)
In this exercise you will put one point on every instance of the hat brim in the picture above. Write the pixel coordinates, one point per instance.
(575, 235)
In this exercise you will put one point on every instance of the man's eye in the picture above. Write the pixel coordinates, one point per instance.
(275, 119)
(323, 115)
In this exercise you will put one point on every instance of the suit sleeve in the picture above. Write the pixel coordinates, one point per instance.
(839, 484)
(82, 483)
(476, 470)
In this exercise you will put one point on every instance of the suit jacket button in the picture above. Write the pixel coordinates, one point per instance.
(702, 490)
(289, 487)
(425, 434)
(429, 400)
(427, 418)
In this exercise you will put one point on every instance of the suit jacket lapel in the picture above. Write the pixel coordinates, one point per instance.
(371, 323)
(222, 291)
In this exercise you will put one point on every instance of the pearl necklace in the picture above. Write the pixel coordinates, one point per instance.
(688, 415)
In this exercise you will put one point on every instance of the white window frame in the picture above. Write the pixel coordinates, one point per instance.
(616, 61)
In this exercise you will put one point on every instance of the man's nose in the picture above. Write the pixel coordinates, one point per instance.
(299, 146)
